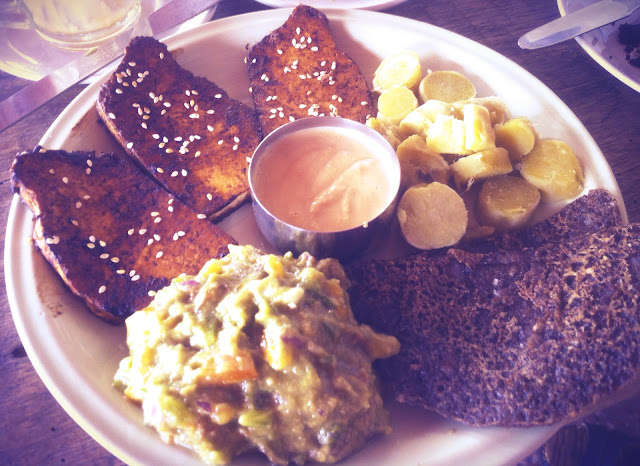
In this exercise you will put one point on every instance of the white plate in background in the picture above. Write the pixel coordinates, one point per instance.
(603, 46)
(321, 4)
(76, 354)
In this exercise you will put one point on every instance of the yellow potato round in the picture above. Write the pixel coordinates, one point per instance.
(517, 135)
(447, 86)
(396, 103)
(432, 216)
(554, 169)
(400, 69)
(507, 202)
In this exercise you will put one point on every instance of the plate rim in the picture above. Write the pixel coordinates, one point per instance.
(18, 209)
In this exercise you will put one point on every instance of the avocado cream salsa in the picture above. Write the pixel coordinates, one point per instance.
(257, 351)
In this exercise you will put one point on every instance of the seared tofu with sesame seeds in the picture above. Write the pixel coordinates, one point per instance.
(112, 233)
(297, 71)
(183, 129)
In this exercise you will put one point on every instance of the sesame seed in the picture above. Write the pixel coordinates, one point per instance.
(235, 147)
(209, 196)
(220, 142)
(88, 171)
(120, 271)
(135, 278)
(104, 256)
(118, 91)
(52, 171)
(159, 170)
(144, 125)
(115, 260)
(102, 289)
(112, 116)
(210, 112)
(151, 293)
(164, 110)
(169, 150)
(74, 222)
(161, 55)
(134, 83)
(129, 145)
(197, 154)
(156, 237)
(125, 84)
(132, 63)
(130, 232)
(314, 48)
(158, 254)
(194, 115)
(155, 214)
(210, 128)
(91, 245)
(142, 231)
(184, 172)
(149, 241)
(364, 102)
(201, 216)
(132, 273)
(218, 96)
(53, 240)
(188, 92)
(78, 204)
(155, 136)
(174, 173)
(157, 220)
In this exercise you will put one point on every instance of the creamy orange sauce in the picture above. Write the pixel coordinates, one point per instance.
(324, 179)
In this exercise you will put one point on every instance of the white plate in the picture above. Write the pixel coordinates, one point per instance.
(26, 54)
(76, 354)
(603, 46)
(362, 4)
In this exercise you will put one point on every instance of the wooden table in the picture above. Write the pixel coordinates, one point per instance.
(34, 429)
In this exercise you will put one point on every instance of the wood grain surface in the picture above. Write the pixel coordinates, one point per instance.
(34, 429)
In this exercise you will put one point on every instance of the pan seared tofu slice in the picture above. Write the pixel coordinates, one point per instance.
(183, 129)
(113, 234)
(297, 71)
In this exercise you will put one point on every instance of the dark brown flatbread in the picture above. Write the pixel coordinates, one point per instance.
(517, 336)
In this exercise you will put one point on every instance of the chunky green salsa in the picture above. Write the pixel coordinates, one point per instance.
(257, 351)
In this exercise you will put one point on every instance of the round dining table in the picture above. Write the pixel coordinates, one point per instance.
(35, 429)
